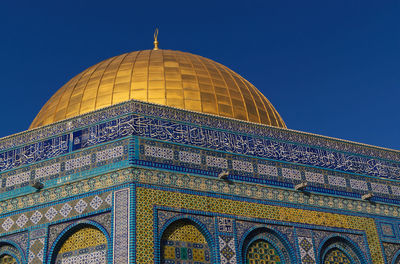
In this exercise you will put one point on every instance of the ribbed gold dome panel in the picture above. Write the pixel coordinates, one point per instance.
(166, 77)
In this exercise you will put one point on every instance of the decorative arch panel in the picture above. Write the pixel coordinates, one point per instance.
(262, 252)
(183, 242)
(263, 245)
(339, 250)
(86, 244)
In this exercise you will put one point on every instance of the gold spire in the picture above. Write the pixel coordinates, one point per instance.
(155, 39)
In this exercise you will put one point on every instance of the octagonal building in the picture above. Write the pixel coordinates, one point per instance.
(162, 156)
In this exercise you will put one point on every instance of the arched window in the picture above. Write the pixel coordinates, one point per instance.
(7, 259)
(182, 242)
(265, 246)
(82, 244)
(260, 252)
(342, 251)
(336, 256)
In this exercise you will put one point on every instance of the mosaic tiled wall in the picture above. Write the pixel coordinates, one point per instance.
(222, 213)
(177, 180)
(86, 245)
(67, 168)
(169, 113)
(306, 246)
(121, 239)
(392, 252)
(16, 244)
(79, 160)
(147, 198)
(56, 212)
(210, 163)
(294, 242)
(253, 143)
(336, 256)
(262, 251)
(226, 240)
(182, 242)
(36, 245)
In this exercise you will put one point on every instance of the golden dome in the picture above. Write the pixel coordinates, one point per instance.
(166, 77)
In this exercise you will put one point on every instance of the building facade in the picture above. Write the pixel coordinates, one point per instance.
(167, 157)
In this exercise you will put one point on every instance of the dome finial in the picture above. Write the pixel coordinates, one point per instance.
(155, 39)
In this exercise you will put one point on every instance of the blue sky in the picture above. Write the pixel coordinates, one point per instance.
(329, 67)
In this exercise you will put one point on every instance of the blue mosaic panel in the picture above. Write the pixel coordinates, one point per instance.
(235, 143)
(33, 153)
(196, 118)
(194, 160)
(87, 160)
(203, 137)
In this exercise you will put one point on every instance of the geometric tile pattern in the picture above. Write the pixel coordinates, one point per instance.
(337, 181)
(183, 243)
(358, 184)
(147, 198)
(336, 256)
(65, 165)
(379, 188)
(169, 179)
(110, 153)
(306, 250)
(319, 236)
(387, 230)
(315, 177)
(196, 118)
(88, 245)
(55, 212)
(206, 138)
(121, 226)
(291, 174)
(103, 220)
(244, 167)
(36, 247)
(239, 169)
(20, 239)
(391, 249)
(260, 251)
(202, 184)
(227, 249)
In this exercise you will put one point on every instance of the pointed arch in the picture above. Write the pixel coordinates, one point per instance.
(79, 242)
(340, 247)
(263, 242)
(184, 238)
